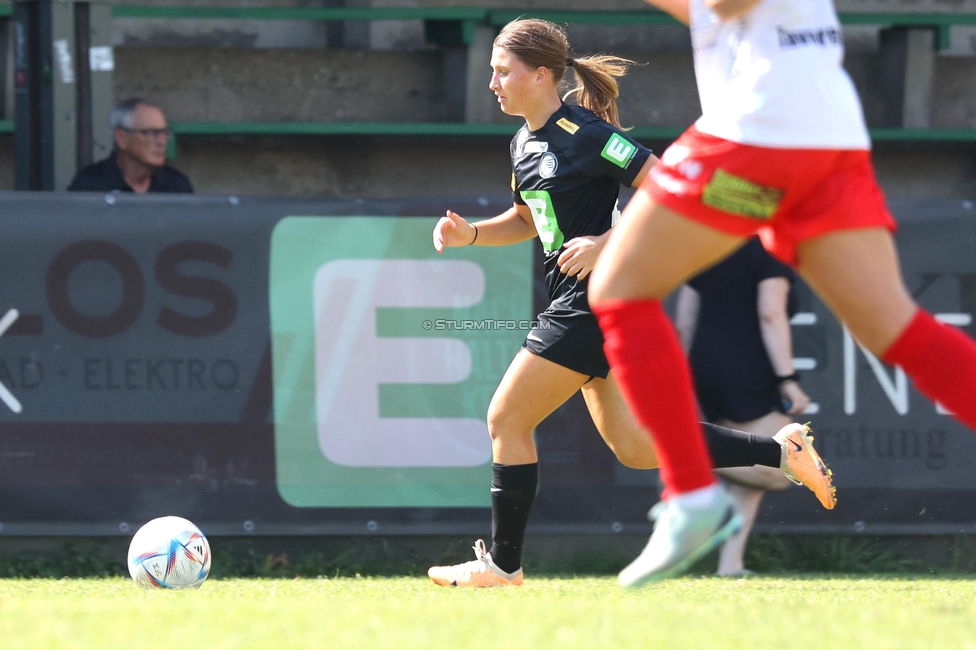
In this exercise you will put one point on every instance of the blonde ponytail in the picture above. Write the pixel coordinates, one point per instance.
(597, 89)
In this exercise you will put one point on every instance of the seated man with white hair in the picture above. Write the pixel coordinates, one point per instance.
(138, 161)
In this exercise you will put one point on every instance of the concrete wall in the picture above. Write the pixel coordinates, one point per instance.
(348, 167)
(406, 35)
(954, 94)
(195, 84)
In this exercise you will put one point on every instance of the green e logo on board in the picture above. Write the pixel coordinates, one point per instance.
(384, 358)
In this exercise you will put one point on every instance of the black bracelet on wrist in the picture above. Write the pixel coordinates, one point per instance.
(475, 235)
(785, 378)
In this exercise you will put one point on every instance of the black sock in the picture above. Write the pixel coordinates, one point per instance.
(731, 448)
(512, 493)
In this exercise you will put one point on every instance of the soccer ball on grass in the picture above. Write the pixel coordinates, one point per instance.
(169, 553)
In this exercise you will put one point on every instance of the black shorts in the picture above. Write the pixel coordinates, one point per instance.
(737, 404)
(572, 339)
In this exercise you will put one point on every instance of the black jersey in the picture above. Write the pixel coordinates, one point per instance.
(569, 173)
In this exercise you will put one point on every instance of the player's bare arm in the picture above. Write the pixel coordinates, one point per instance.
(774, 326)
(510, 227)
(677, 8)
(645, 170)
(729, 9)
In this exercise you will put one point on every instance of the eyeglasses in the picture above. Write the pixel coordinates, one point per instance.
(150, 133)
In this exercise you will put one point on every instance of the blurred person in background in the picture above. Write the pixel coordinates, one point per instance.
(138, 161)
(734, 323)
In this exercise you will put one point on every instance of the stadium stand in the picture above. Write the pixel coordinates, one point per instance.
(458, 26)
(405, 75)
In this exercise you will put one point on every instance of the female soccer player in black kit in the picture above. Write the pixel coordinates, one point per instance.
(568, 163)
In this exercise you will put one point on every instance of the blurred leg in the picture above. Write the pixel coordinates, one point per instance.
(633, 447)
(757, 478)
(652, 251)
(747, 489)
(649, 253)
(628, 440)
(876, 306)
(732, 553)
(882, 316)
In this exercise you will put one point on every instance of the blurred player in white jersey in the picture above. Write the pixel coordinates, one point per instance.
(781, 149)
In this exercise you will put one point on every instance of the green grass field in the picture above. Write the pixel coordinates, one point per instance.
(366, 613)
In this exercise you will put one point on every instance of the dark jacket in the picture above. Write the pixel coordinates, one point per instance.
(105, 176)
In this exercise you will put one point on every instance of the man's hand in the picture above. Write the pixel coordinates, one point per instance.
(730, 9)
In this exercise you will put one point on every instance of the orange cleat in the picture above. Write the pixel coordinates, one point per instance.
(481, 572)
(803, 465)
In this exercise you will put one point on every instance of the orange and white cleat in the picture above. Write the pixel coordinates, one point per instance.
(480, 572)
(803, 465)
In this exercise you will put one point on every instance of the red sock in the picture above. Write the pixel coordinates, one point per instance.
(655, 380)
(941, 361)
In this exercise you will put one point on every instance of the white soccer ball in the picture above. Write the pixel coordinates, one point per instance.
(169, 553)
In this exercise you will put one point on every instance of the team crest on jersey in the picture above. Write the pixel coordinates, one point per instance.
(548, 165)
(567, 125)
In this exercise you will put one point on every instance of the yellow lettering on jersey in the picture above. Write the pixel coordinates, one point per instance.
(567, 125)
(513, 182)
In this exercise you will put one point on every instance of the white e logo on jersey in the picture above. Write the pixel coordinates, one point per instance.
(619, 151)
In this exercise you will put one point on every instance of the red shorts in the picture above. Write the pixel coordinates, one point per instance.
(786, 195)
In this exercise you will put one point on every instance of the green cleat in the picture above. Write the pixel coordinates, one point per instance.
(681, 537)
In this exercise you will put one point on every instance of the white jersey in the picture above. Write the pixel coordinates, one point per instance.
(774, 77)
